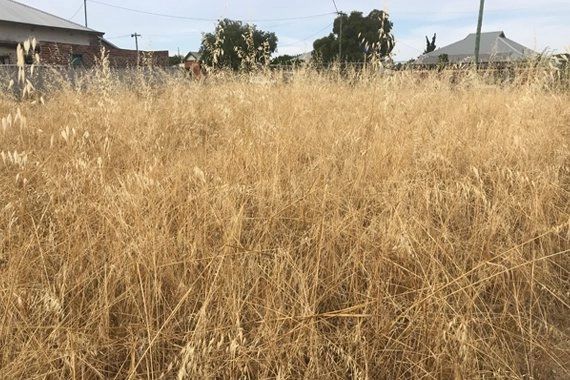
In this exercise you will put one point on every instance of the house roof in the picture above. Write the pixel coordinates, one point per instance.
(12, 11)
(193, 56)
(305, 57)
(495, 47)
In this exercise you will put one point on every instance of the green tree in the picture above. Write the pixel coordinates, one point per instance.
(175, 60)
(362, 36)
(430, 46)
(286, 60)
(233, 42)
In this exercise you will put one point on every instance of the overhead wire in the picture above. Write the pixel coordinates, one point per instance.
(335, 7)
(408, 45)
(117, 37)
(212, 20)
(293, 18)
(283, 19)
(204, 19)
(157, 14)
(77, 11)
(308, 37)
(458, 12)
(150, 13)
(156, 35)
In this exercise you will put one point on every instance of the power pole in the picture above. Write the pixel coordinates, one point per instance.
(340, 31)
(478, 37)
(85, 10)
(136, 37)
(340, 38)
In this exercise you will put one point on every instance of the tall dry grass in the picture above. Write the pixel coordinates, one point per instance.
(370, 228)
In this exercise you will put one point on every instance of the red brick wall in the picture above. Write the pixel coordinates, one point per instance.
(194, 67)
(60, 54)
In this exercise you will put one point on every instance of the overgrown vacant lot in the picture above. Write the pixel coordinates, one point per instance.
(379, 228)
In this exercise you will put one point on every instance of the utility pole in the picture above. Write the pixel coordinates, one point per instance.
(85, 10)
(478, 37)
(340, 38)
(340, 31)
(136, 37)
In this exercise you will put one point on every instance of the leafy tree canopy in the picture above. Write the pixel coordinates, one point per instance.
(233, 42)
(361, 37)
(286, 60)
(175, 60)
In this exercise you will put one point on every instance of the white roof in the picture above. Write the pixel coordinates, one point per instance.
(495, 47)
(12, 11)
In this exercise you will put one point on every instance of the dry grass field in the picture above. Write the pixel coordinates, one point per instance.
(367, 228)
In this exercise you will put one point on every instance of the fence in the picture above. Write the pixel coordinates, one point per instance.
(46, 78)
(49, 78)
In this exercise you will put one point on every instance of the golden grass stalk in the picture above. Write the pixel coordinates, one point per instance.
(375, 227)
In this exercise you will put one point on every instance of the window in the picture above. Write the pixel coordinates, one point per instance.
(30, 57)
(4, 59)
(76, 60)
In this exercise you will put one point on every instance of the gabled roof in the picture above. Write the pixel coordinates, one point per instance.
(193, 56)
(12, 11)
(495, 47)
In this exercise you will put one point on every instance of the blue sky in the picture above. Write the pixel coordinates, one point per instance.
(537, 24)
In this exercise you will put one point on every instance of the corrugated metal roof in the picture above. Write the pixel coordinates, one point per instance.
(495, 47)
(12, 11)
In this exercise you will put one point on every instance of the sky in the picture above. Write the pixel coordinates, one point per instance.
(538, 24)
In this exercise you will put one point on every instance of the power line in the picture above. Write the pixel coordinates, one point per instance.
(117, 37)
(408, 45)
(155, 35)
(293, 18)
(150, 13)
(205, 19)
(308, 37)
(276, 26)
(335, 7)
(76, 12)
(341, 15)
(462, 13)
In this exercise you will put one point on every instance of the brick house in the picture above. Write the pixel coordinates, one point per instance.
(193, 63)
(60, 42)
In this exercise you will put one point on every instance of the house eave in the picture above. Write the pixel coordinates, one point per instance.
(92, 32)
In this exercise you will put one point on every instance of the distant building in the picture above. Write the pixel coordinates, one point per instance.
(193, 63)
(495, 48)
(60, 42)
(193, 56)
(305, 57)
